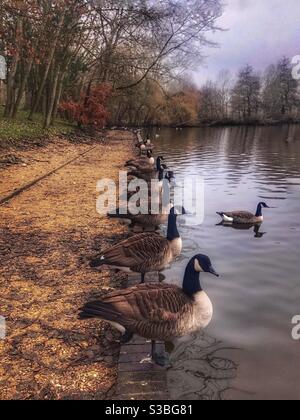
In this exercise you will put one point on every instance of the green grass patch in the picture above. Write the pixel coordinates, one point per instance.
(13, 131)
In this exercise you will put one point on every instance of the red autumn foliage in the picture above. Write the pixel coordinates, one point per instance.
(91, 109)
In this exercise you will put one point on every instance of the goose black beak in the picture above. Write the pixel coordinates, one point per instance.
(213, 272)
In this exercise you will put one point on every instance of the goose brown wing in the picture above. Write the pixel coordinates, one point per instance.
(136, 250)
(244, 215)
(149, 302)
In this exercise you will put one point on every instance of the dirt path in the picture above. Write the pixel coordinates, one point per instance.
(47, 233)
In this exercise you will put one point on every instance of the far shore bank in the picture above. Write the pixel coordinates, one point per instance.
(214, 124)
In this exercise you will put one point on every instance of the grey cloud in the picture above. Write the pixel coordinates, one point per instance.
(259, 33)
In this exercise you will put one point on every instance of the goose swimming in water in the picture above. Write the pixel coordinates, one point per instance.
(158, 311)
(145, 252)
(240, 217)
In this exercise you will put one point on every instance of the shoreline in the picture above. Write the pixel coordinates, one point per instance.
(48, 233)
(217, 125)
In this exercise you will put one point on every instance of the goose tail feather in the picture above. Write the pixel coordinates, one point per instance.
(97, 262)
(118, 216)
(98, 309)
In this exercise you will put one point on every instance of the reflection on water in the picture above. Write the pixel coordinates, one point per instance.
(200, 370)
(258, 292)
(256, 228)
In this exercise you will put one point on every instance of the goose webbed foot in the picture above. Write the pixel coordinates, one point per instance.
(126, 338)
(161, 277)
(161, 359)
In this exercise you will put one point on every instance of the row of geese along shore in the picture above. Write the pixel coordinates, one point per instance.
(157, 311)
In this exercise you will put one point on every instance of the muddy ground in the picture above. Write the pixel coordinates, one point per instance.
(47, 235)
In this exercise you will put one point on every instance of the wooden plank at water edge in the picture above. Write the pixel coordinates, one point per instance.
(138, 377)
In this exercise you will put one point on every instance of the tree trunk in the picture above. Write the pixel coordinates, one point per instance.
(44, 79)
(22, 88)
(12, 73)
(10, 86)
(52, 96)
(57, 98)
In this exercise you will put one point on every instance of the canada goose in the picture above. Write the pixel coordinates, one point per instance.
(144, 147)
(146, 220)
(163, 177)
(148, 142)
(149, 173)
(139, 143)
(152, 193)
(159, 163)
(169, 175)
(241, 217)
(139, 138)
(142, 161)
(145, 252)
(158, 311)
(146, 172)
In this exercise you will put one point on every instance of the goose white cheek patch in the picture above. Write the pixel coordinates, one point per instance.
(197, 266)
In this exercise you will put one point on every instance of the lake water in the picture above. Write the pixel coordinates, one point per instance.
(247, 351)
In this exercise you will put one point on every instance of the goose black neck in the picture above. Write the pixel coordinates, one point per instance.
(160, 174)
(259, 210)
(172, 227)
(191, 282)
(158, 164)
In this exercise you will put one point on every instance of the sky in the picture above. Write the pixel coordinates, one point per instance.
(258, 32)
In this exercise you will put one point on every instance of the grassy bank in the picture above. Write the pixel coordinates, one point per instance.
(13, 132)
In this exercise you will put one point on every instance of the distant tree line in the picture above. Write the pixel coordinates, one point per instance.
(251, 96)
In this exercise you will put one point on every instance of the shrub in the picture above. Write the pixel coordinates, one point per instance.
(91, 109)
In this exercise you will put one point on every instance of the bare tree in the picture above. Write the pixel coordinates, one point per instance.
(224, 83)
(280, 91)
(64, 48)
(246, 93)
(210, 102)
